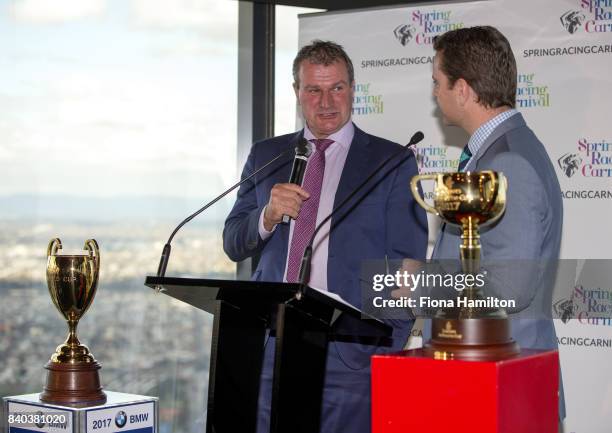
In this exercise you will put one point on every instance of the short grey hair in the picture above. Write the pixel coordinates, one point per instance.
(322, 53)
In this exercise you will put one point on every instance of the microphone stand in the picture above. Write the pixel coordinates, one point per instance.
(163, 262)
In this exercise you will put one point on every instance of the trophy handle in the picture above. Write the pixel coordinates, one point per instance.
(499, 184)
(94, 264)
(503, 180)
(415, 191)
(495, 179)
(54, 245)
(92, 246)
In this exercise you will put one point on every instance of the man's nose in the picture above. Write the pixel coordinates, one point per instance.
(326, 99)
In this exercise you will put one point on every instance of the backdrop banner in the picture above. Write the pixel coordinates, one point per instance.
(564, 53)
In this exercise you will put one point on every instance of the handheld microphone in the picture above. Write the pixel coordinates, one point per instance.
(165, 257)
(303, 150)
(304, 275)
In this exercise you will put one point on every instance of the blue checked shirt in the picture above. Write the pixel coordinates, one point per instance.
(482, 133)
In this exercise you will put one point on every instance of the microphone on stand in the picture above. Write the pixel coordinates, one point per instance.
(165, 257)
(303, 150)
(304, 275)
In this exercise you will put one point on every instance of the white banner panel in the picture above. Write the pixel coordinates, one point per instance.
(563, 50)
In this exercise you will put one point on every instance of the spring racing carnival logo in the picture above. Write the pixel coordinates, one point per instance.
(589, 159)
(422, 26)
(433, 159)
(564, 309)
(419, 29)
(591, 306)
(366, 102)
(592, 16)
(592, 158)
(588, 305)
(531, 93)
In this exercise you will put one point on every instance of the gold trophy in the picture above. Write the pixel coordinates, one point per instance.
(72, 371)
(469, 200)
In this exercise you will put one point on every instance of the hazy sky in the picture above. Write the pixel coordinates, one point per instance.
(126, 97)
(114, 97)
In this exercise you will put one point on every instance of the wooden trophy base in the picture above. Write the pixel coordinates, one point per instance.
(76, 385)
(481, 339)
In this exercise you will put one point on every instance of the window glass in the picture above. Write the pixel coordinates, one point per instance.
(287, 26)
(118, 120)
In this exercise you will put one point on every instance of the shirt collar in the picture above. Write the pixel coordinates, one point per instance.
(486, 129)
(343, 136)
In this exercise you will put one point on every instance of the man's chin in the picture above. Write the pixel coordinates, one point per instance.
(447, 122)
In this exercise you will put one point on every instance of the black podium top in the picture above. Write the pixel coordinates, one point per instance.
(260, 297)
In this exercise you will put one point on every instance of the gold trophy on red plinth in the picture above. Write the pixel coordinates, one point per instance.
(469, 200)
(72, 372)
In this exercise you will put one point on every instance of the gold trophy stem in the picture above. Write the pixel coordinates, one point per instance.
(72, 341)
(470, 262)
(470, 247)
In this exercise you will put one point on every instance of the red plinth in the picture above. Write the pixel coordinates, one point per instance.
(412, 393)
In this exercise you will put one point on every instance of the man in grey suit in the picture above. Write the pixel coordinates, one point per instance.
(474, 76)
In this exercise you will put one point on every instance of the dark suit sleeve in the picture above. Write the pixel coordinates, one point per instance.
(241, 238)
(406, 233)
(406, 229)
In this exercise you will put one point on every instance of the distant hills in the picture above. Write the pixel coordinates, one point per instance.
(107, 209)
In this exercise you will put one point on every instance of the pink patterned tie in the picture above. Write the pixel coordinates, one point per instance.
(305, 223)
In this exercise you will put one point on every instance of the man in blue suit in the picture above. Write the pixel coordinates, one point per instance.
(385, 224)
(474, 76)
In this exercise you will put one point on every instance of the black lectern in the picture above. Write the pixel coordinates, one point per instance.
(303, 321)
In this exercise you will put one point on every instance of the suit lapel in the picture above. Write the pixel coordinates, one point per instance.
(356, 167)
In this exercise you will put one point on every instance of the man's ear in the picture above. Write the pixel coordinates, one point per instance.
(463, 91)
(296, 89)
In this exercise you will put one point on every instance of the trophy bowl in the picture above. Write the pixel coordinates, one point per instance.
(72, 372)
(470, 200)
(465, 198)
